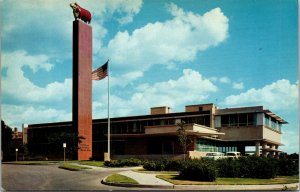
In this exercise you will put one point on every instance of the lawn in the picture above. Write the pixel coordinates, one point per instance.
(72, 167)
(173, 178)
(33, 162)
(117, 178)
(92, 163)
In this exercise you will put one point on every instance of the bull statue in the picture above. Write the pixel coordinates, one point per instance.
(81, 13)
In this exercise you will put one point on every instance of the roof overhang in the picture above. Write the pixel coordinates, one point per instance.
(273, 115)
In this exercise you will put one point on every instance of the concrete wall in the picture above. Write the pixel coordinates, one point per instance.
(204, 107)
(242, 133)
(159, 110)
(271, 135)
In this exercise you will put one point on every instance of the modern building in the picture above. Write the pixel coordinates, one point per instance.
(155, 135)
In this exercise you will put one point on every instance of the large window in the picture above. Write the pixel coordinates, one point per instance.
(272, 123)
(238, 119)
(206, 146)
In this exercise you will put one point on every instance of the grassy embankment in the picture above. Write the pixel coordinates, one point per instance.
(117, 178)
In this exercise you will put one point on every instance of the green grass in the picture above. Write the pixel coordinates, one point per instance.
(142, 170)
(231, 181)
(72, 167)
(117, 178)
(92, 163)
(33, 162)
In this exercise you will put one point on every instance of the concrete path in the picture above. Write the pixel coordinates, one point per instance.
(145, 179)
(150, 180)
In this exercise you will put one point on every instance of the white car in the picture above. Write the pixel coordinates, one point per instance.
(233, 154)
(214, 155)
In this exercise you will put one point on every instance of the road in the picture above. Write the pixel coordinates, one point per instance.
(50, 177)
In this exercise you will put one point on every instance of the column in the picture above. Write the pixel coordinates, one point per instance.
(257, 144)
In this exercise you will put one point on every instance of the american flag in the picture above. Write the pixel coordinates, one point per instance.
(100, 73)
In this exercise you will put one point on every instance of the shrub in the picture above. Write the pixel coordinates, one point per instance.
(266, 168)
(123, 163)
(174, 165)
(288, 167)
(163, 165)
(199, 170)
(158, 165)
(228, 167)
(249, 167)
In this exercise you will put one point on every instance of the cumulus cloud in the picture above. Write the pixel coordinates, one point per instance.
(225, 80)
(171, 93)
(23, 20)
(176, 40)
(279, 95)
(236, 85)
(16, 115)
(16, 85)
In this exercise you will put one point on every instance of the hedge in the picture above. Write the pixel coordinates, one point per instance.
(244, 167)
(124, 163)
(199, 170)
(163, 165)
(288, 167)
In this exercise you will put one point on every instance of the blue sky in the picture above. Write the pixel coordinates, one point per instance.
(175, 53)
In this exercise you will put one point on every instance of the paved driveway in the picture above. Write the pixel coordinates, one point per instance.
(50, 177)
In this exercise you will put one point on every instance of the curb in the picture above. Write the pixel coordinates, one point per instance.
(103, 181)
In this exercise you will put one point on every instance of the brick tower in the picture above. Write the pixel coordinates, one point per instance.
(82, 87)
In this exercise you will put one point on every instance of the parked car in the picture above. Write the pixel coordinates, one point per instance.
(214, 155)
(233, 154)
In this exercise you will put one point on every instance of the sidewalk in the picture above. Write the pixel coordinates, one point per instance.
(149, 180)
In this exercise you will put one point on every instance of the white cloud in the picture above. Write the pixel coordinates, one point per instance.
(51, 23)
(278, 95)
(15, 115)
(175, 40)
(236, 85)
(20, 58)
(290, 140)
(225, 80)
(191, 87)
(16, 85)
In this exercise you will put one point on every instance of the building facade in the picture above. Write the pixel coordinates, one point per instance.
(155, 135)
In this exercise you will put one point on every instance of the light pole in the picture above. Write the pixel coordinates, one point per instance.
(64, 146)
(16, 154)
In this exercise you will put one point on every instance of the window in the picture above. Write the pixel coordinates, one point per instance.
(206, 146)
(243, 119)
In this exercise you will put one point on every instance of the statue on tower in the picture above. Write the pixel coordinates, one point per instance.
(81, 13)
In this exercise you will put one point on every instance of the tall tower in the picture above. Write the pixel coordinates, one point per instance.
(82, 87)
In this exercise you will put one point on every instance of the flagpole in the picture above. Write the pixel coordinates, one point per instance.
(108, 118)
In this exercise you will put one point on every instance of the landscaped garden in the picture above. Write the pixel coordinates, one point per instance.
(244, 170)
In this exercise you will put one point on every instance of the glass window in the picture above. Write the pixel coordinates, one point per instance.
(243, 119)
(225, 120)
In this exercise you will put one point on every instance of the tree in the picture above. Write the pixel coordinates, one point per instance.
(56, 141)
(183, 138)
(7, 144)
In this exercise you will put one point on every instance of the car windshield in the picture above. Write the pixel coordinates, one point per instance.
(231, 154)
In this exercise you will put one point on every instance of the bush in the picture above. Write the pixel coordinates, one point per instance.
(123, 163)
(163, 165)
(249, 167)
(288, 167)
(266, 168)
(199, 170)
(158, 165)
(228, 168)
